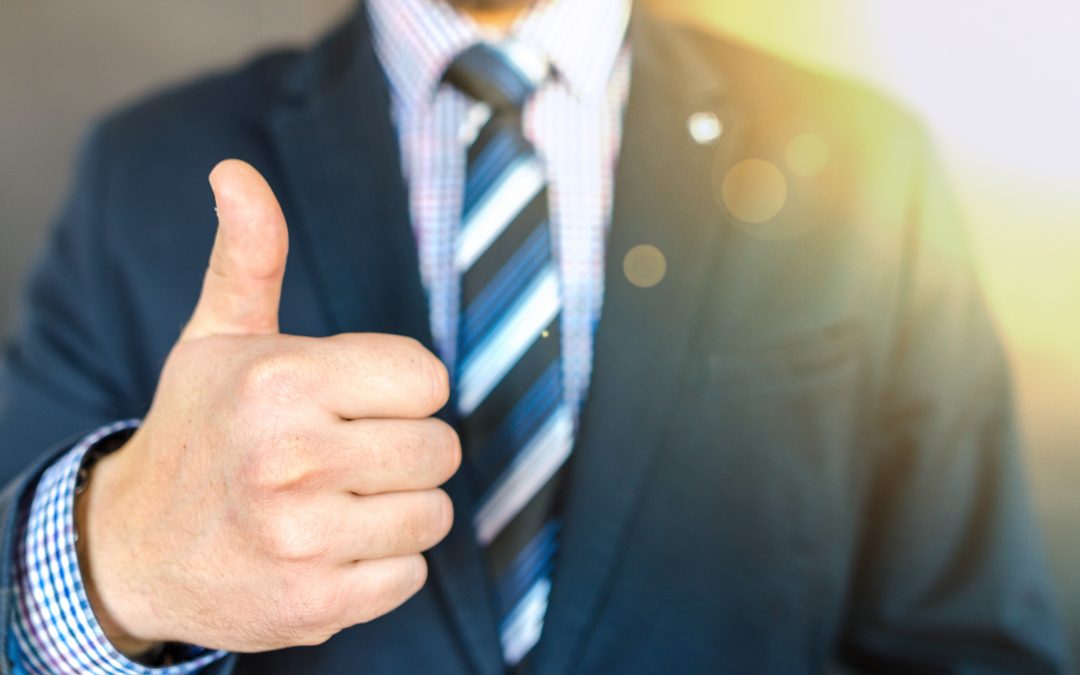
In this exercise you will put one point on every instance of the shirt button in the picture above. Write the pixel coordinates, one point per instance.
(704, 127)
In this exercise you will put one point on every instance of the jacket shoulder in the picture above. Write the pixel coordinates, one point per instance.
(220, 111)
(768, 86)
(848, 149)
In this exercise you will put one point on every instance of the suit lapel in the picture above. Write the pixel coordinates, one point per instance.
(340, 157)
(663, 199)
(342, 164)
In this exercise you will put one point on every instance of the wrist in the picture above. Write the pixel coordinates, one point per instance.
(91, 508)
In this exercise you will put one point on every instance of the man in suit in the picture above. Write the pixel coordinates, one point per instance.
(699, 328)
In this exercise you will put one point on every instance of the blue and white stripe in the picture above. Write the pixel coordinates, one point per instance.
(508, 342)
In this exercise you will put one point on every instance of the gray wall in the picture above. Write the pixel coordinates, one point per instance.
(64, 63)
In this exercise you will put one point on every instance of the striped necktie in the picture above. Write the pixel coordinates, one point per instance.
(517, 430)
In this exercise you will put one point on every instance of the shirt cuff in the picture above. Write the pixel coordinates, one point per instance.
(55, 628)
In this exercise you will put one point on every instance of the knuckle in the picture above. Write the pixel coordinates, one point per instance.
(405, 445)
(436, 380)
(372, 600)
(292, 539)
(450, 446)
(428, 451)
(283, 466)
(271, 378)
(419, 573)
(429, 522)
(444, 514)
(367, 603)
(406, 361)
(432, 379)
(380, 451)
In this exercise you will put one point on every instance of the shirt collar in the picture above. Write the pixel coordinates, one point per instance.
(417, 39)
(581, 38)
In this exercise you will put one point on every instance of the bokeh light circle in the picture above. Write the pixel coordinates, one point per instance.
(754, 191)
(705, 127)
(645, 266)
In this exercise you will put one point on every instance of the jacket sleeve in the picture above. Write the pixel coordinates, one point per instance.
(69, 368)
(950, 571)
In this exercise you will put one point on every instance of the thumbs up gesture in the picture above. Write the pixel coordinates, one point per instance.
(281, 488)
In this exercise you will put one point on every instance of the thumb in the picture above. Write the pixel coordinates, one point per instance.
(242, 287)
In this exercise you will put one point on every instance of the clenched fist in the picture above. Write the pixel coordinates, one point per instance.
(281, 488)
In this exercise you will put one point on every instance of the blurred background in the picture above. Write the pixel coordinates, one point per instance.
(997, 83)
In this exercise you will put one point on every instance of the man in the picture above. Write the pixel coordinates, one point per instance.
(728, 399)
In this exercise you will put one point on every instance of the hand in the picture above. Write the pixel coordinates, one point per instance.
(281, 488)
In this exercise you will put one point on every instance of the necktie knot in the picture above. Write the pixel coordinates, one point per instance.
(502, 76)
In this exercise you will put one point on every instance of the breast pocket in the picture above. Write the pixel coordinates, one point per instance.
(791, 410)
(796, 403)
(789, 360)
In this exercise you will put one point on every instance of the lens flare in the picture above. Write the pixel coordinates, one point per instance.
(754, 191)
(645, 266)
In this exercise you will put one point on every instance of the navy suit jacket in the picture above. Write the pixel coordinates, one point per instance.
(797, 448)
